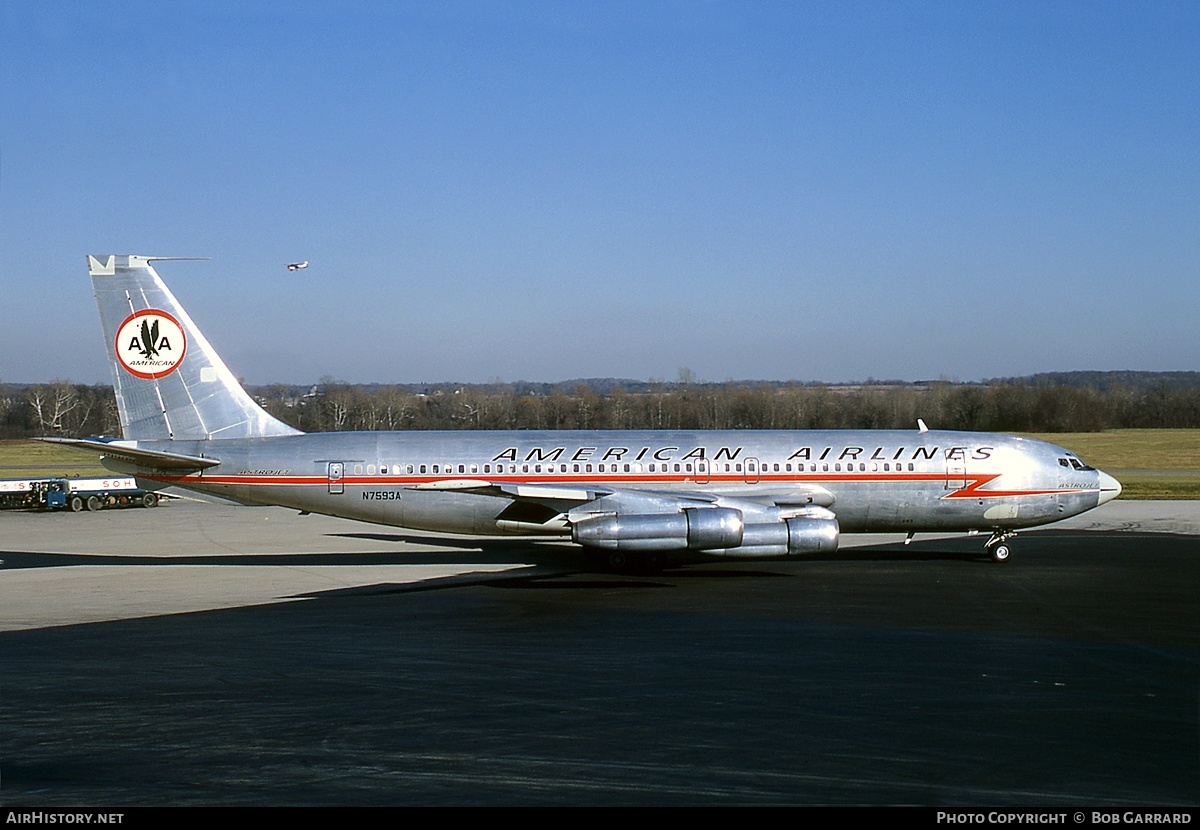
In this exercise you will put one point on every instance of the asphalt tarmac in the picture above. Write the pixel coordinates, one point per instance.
(204, 655)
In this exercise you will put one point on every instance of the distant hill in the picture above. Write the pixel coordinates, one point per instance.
(1104, 381)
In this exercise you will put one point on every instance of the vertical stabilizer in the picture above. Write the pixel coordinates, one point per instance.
(168, 380)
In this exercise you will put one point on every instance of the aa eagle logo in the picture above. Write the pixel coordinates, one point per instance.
(150, 344)
(149, 339)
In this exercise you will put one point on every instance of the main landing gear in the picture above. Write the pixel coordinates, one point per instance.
(618, 561)
(997, 546)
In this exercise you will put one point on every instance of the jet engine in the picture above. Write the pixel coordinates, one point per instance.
(700, 528)
(815, 531)
(720, 531)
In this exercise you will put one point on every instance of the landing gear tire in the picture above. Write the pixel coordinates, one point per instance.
(651, 563)
(619, 561)
(997, 547)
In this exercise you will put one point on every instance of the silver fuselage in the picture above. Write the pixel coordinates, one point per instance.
(875, 481)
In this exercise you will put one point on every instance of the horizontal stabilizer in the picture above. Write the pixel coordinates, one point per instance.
(150, 459)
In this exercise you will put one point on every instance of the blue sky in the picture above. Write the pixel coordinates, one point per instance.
(552, 190)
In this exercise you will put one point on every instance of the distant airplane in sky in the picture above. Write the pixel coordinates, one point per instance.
(632, 499)
(296, 266)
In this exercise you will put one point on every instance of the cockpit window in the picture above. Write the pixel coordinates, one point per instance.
(1062, 462)
(1079, 465)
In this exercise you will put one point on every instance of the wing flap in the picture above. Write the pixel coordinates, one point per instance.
(522, 492)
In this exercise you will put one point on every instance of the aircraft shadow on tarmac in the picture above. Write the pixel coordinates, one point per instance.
(963, 549)
(556, 555)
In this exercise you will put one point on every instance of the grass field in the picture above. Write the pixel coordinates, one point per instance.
(1149, 463)
(33, 459)
(1175, 450)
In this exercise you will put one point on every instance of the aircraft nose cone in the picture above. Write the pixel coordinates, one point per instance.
(1110, 488)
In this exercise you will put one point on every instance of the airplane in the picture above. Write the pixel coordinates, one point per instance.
(630, 499)
(297, 266)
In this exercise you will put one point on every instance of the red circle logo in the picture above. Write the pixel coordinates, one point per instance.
(150, 344)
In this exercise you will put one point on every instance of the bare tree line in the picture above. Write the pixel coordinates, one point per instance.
(64, 408)
(60, 408)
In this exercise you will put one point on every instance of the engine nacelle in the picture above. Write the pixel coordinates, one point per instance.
(702, 528)
(816, 532)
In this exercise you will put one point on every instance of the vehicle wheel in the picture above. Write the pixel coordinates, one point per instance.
(618, 561)
(150, 500)
(1000, 552)
(93, 504)
(76, 504)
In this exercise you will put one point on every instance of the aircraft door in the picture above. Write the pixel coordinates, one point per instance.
(752, 471)
(337, 472)
(956, 468)
(702, 476)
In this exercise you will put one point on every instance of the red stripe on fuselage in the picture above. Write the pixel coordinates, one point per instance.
(973, 490)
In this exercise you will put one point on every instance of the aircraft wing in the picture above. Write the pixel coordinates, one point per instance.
(147, 459)
(551, 504)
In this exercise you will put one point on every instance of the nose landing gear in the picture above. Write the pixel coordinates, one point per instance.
(997, 546)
